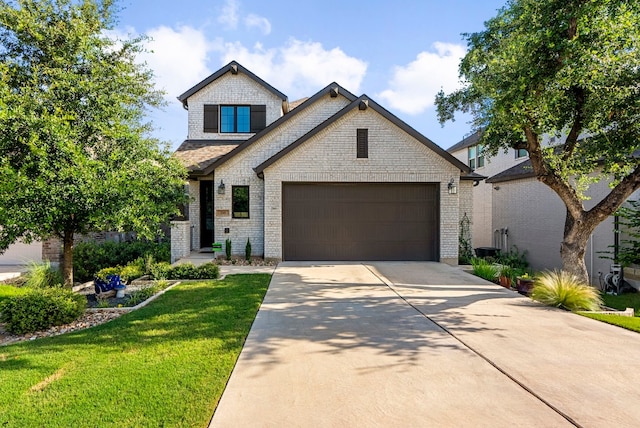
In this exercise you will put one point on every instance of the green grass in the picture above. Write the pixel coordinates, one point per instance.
(630, 323)
(623, 301)
(166, 364)
(7, 291)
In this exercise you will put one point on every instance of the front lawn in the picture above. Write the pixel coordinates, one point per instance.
(166, 364)
(630, 323)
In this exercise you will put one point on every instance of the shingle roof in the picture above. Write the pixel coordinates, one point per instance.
(516, 172)
(469, 141)
(364, 102)
(296, 103)
(197, 155)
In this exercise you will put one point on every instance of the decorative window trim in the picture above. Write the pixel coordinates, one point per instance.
(236, 210)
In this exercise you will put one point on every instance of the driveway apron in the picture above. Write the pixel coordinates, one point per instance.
(337, 345)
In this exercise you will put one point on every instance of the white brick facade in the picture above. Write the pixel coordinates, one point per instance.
(232, 89)
(180, 240)
(330, 156)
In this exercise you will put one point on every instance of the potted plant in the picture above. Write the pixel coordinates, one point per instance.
(506, 275)
(524, 284)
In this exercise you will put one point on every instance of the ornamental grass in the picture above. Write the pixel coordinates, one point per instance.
(564, 290)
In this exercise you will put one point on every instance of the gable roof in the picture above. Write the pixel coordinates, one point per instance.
(468, 141)
(234, 68)
(364, 102)
(333, 89)
(198, 155)
(516, 172)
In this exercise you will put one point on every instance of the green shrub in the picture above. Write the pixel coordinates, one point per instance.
(227, 248)
(184, 271)
(513, 258)
(160, 270)
(208, 271)
(484, 269)
(41, 275)
(564, 290)
(89, 257)
(103, 273)
(41, 308)
(247, 251)
(130, 272)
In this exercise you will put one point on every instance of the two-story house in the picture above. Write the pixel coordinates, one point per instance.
(330, 177)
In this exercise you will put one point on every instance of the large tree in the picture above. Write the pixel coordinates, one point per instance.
(563, 68)
(75, 150)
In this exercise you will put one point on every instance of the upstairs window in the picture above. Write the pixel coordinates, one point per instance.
(362, 143)
(521, 153)
(476, 156)
(234, 119)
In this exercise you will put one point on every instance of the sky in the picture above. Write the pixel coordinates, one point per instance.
(400, 53)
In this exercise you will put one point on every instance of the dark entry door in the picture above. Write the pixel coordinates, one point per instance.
(360, 221)
(206, 214)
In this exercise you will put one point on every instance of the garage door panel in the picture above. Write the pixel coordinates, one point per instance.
(360, 221)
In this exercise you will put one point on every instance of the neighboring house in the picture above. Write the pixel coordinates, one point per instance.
(512, 207)
(331, 177)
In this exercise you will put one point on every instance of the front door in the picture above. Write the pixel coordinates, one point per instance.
(206, 214)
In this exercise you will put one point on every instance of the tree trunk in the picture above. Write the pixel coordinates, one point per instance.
(67, 258)
(574, 244)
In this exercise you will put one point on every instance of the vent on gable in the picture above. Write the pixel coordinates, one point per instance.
(362, 143)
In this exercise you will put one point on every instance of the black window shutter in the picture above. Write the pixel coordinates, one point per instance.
(210, 118)
(362, 143)
(258, 117)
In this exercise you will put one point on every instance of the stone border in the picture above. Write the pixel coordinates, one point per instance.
(629, 312)
(138, 306)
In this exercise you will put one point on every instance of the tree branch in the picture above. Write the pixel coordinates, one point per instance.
(576, 128)
(615, 198)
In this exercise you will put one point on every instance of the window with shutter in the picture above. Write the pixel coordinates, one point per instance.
(362, 143)
(210, 118)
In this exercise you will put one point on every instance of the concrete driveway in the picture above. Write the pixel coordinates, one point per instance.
(424, 344)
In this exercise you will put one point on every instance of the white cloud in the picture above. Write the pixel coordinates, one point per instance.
(413, 88)
(178, 58)
(299, 68)
(229, 16)
(259, 22)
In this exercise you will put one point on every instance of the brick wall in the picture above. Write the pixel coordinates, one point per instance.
(238, 171)
(230, 89)
(180, 240)
(394, 156)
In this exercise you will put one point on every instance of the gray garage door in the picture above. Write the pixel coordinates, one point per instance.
(360, 221)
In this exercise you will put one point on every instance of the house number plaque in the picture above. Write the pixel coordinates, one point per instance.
(222, 213)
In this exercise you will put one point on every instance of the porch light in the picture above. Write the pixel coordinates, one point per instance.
(453, 189)
(221, 188)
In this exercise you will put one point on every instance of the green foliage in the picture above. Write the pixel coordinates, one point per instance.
(623, 301)
(630, 323)
(484, 269)
(564, 290)
(227, 248)
(103, 273)
(160, 270)
(465, 249)
(180, 349)
(41, 275)
(145, 293)
(508, 272)
(75, 151)
(562, 69)
(130, 272)
(629, 251)
(90, 257)
(41, 308)
(7, 291)
(247, 251)
(513, 258)
(185, 271)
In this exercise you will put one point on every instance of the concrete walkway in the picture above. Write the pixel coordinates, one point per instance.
(424, 344)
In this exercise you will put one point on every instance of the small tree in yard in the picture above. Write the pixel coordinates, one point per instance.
(564, 68)
(75, 155)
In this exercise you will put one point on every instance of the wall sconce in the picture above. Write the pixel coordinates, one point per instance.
(453, 189)
(221, 188)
